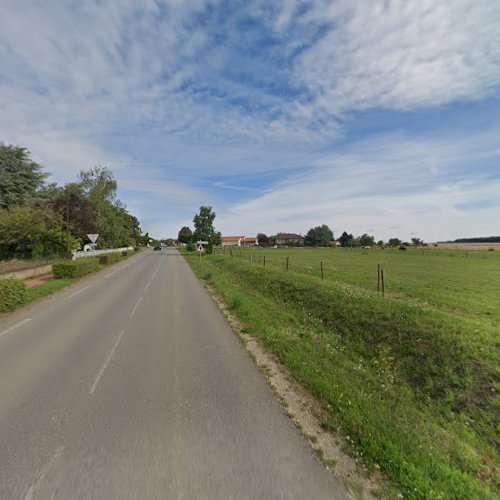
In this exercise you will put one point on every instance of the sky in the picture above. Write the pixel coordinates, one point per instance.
(370, 116)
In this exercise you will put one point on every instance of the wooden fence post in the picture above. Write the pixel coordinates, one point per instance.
(322, 275)
(378, 277)
(287, 262)
(382, 280)
(264, 261)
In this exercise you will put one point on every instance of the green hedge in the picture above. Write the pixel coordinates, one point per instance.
(12, 294)
(75, 268)
(110, 258)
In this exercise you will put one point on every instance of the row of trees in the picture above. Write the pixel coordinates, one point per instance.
(39, 219)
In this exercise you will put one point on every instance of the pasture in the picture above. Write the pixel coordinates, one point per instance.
(411, 377)
(461, 282)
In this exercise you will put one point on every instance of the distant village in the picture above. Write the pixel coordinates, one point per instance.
(280, 240)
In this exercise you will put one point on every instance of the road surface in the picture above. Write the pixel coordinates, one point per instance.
(130, 384)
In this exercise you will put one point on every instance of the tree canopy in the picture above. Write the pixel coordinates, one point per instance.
(42, 219)
(319, 236)
(204, 229)
(185, 235)
(22, 179)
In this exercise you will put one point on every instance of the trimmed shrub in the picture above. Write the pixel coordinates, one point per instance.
(12, 294)
(75, 268)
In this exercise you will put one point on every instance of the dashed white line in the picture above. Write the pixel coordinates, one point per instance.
(34, 487)
(15, 326)
(152, 277)
(135, 307)
(79, 291)
(105, 365)
(108, 275)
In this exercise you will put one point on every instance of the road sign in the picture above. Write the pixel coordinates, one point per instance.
(92, 237)
(202, 242)
(200, 248)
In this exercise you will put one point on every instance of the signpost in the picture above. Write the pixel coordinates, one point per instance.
(93, 239)
(200, 248)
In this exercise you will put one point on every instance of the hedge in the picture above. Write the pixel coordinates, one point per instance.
(110, 258)
(12, 294)
(75, 268)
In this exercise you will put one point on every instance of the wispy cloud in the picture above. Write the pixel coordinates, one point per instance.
(184, 100)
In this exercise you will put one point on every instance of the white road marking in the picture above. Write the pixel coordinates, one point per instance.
(79, 291)
(135, 307)
(34, 487)
(112, 272)
(152, 277)
(15, 326)
(105, 365)
(125, 265)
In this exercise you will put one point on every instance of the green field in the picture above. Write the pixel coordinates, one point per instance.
(465, 283)
(412, 378)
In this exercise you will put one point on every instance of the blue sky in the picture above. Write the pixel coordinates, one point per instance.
(370, 116)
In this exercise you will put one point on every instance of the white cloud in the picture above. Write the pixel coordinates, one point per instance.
(401, 54)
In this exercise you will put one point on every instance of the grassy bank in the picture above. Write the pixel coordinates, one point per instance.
(412, 387)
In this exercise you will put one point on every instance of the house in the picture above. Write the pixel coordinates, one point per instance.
(289, 239)
(232, 241)
(335, 243)
(250, 242)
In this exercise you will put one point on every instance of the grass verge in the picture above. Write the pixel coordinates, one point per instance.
(413, 390)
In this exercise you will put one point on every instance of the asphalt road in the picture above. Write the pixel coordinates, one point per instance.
(130, 384)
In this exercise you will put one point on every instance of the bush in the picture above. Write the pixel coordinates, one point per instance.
(75, 268)
(191, 247)
(12, 294)
(137, 249)
(124, 253)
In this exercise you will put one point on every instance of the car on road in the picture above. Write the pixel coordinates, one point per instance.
(157, 247)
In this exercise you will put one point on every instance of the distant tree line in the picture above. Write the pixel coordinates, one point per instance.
(488, 239)
(319, 236)
(39, 219)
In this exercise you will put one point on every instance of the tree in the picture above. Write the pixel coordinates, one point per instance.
(33, 231)
(21, 179)
(185, 235)
(417, 242)
(76, 210)
(204, 229)
(319, 236)
(380, 243)
(366, 240)
(263, 240)
(345, 239)
(394, 242)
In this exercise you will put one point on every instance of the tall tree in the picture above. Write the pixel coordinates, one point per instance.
(345, 239)
(77, 210)
(263, 239)
(319, 236)
(394, 242)
(185, 235)
(204, 229)
(21, 179)
(366, 240)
